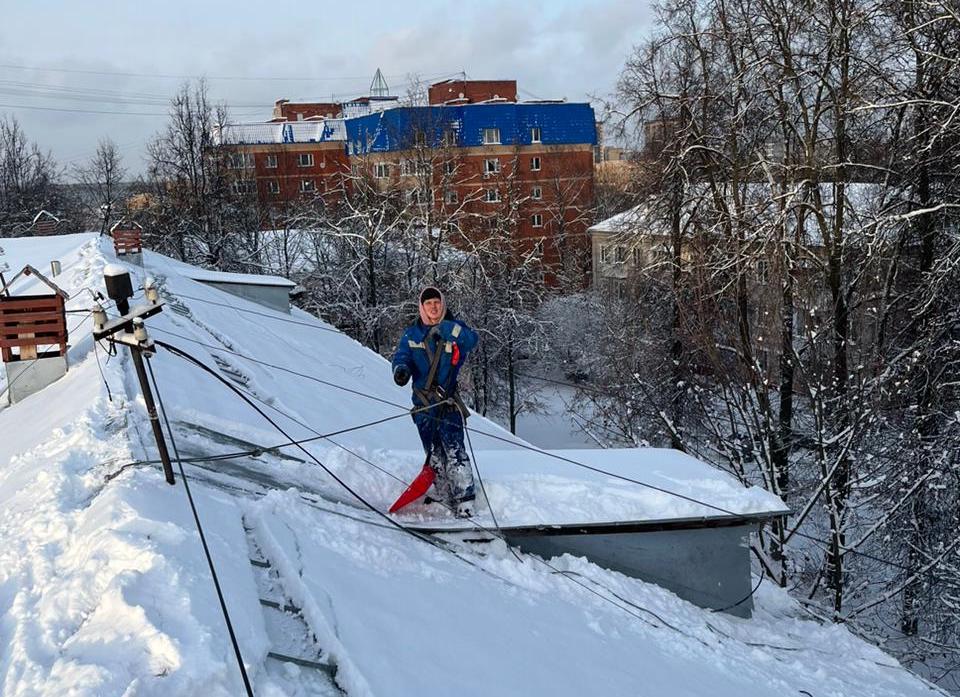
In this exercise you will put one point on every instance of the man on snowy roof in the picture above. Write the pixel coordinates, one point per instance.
(432, 350)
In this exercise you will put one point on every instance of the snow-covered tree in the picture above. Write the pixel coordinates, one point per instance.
(811, 165)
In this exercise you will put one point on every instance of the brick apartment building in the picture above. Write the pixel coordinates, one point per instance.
(473, 149)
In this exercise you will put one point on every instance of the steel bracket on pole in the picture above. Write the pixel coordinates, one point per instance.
(125, 323)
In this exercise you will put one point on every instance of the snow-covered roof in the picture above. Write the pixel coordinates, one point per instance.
(248, 279)
(105, 583)
(633, 220)
(313, 131)
(652, 216)
(209, 276)
(45, 214)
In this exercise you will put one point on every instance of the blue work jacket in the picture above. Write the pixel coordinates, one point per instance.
(453, 338)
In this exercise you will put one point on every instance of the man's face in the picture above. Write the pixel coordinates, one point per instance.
(432, 309)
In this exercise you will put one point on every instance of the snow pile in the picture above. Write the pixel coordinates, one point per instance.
(104, 589)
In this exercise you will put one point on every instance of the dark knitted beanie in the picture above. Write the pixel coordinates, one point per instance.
(430, 293)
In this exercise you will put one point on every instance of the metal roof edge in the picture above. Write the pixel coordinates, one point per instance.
(620, 527)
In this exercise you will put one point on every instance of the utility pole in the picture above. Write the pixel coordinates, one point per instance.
(129, 329)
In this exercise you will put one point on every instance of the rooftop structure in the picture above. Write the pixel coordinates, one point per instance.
(316, 131)
(473, 125)
(472, 91)
(285, 110)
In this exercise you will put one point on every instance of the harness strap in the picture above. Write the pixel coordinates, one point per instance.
(429, 389)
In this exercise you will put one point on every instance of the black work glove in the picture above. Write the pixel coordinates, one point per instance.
(401, 375)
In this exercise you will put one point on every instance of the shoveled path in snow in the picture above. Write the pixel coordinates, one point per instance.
(295, 660)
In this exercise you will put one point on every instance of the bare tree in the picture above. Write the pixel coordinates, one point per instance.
(103, 181)
(28, 179)
(203, 207)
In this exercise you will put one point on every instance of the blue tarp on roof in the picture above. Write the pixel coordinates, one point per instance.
(397, 129)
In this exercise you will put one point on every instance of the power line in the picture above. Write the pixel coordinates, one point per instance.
(203, 538)
(23, 89)
(473, 430)
(432, 542)
(516, 443)
(281, 368)
(490, 435)
(313, 325)
(522, 445)
(82, 111)
(200, 364)
(243, 78)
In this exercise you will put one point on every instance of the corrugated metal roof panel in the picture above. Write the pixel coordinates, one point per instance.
(559, 124)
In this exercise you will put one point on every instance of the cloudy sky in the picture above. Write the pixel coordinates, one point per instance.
(62, 59)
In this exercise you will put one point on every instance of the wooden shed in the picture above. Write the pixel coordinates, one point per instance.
(33, 335)
(127, 238)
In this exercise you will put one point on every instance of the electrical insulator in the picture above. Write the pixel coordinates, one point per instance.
(139, 331)
(150, 290)
(99, 317)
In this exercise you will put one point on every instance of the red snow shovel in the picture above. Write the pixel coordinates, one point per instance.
(418, 487)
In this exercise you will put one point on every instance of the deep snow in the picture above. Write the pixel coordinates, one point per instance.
(104, 590)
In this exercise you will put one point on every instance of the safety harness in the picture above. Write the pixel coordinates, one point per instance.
(436, 394)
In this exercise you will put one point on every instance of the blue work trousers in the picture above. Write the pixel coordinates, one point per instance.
(441, 431)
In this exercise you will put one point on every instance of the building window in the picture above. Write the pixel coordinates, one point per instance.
(620, 289)
(491, 136)
(450, 196)
(621, 254)
(382, 170)
(305, 159)
(535, 135)
(538, 250)
(763, 271)
(270, 162)
(491, 166)
(492, 196)
(604, 253)
(536, 193)
(241, 160)
(243, 187)
(273, 186)
(406, 167)
(449, 167)
(534, 164)
(537, 220)
(491, 223)
(307, 186)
